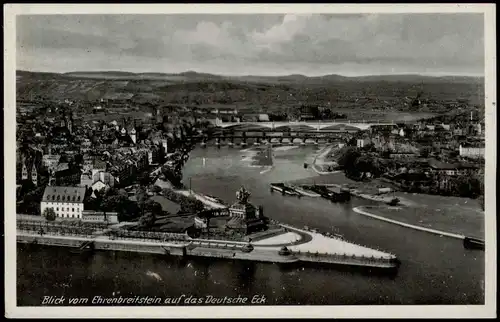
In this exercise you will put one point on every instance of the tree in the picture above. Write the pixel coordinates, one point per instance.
(370, 147)
(153, 207)
(99, 197)
(31, 201)
(425, 151)
(191, 205)
(347, 160)
(141, 195)
(144, 179)
(352, 142)
(147, 220)
(49, 214)
(173, 174)
(466, 186)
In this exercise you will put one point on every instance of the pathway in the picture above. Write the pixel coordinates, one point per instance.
(360, 210)
(319, 160)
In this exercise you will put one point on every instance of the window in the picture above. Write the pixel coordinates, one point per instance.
(67, 209)
(72, 209)
(57, 208)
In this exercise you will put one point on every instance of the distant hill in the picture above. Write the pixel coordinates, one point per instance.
(100, 74)
(252, 91)
(294, 78)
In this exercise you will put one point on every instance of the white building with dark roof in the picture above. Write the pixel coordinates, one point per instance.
(67, 202)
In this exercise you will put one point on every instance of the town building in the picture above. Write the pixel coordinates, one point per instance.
(67, 202)
(224, 111)
(451, 169)
(63, 175)
(99, 217)
(361, 143)
(50, 161)
(471, 152)
(86, 180)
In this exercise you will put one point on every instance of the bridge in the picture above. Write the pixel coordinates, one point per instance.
(256, 133)
(276, 137)
(305, 125)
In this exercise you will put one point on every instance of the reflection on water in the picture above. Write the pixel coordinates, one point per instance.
(434, 270)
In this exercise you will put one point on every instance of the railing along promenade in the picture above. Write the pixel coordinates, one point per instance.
(343, 258)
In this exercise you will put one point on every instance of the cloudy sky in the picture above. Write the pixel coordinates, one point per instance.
(258, 44)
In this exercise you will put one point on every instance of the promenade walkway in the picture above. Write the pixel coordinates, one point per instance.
(361, 211)
(334, 246)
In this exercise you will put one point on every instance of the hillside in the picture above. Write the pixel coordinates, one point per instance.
(259, 92)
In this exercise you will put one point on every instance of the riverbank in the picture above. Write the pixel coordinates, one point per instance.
(206, 201)
(434, 270)
(320, 163)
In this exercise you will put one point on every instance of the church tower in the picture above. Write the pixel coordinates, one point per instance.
(24, 171)
(133, 135)
(159, 117)
(34, 175)
(69, 123)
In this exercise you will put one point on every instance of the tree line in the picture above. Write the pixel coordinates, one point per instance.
(359, 164)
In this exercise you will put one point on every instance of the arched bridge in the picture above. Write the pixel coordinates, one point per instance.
(303, 126)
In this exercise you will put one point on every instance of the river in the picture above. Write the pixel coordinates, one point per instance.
(434, 270)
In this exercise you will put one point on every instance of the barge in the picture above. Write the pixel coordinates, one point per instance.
(284, 189)
(332, 194)
(473, 243)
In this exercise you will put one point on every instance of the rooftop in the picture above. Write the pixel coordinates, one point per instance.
(62, 167)
(64, 194)
(51, 157)
(436, 164)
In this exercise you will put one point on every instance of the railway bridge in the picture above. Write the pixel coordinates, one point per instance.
(276, 137)
(256, 133)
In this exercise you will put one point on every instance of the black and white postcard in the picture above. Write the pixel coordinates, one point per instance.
(205, 160)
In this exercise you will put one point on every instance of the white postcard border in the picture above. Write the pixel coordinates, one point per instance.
(448, 311)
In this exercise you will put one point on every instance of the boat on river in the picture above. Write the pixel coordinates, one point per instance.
(284, 189)
(332, 194)
(473, 243)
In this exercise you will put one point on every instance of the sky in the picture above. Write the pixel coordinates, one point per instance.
(257, 44)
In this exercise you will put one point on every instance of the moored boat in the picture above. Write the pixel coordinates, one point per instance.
(284, 189)
(473, 243)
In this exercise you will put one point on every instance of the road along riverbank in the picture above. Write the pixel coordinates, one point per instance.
(319, 161)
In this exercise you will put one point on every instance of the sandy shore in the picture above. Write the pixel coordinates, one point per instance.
(320, 161)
